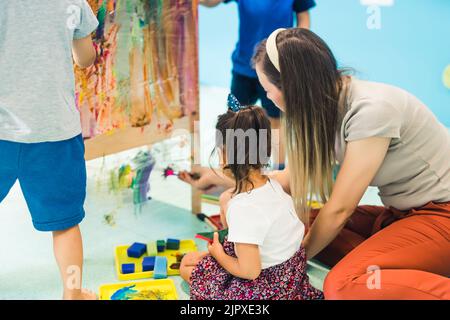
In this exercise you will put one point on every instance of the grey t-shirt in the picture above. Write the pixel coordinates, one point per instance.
(416, 169)
(37, 86)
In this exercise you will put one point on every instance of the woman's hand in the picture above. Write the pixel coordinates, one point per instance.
(208, 181)
(215, 248)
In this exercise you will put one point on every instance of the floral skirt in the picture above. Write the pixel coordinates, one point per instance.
(286, 281)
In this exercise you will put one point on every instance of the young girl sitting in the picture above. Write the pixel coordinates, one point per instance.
(262, 258)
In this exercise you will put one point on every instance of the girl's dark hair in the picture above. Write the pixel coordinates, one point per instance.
(311, 84)
(245, 137)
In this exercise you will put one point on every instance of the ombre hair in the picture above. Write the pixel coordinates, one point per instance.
(311, 84)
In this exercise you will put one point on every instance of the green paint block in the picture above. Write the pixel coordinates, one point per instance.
(161, 245)
(152, 249)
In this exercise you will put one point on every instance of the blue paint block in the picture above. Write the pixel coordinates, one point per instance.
(173, 244)
(161, 245)
(160, 271)
(127, 268)
(136, 250)
(148, 264)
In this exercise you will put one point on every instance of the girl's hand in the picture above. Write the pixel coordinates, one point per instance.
(216, 248)
(209, 182)
(203, 183)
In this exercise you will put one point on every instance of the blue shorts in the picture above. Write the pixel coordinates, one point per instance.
(52, 176)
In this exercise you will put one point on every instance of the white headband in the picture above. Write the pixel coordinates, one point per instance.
(272, 49)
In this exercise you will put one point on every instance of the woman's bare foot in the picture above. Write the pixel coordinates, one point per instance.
(82, 294)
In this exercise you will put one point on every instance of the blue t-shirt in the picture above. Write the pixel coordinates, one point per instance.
(258, 19)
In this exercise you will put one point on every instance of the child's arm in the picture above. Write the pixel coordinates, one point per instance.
(302, 8)
(210, 3)
(303, 20)
(223, 201)
(84, 53)
(246, 266)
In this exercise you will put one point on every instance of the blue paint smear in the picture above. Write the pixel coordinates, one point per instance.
(126, 293)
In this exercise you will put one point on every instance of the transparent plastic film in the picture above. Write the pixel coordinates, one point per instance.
(146, 68)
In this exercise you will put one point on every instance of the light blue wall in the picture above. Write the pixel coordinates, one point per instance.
(411, 49)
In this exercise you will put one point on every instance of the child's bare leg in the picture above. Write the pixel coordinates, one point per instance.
(186, 272)
(68, 249)
(188, 264)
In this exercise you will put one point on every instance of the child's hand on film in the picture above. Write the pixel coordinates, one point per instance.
(198, 180)
(215, 248)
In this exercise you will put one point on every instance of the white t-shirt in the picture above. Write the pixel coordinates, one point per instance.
(266, 217)
(416, 168)
(37, 82)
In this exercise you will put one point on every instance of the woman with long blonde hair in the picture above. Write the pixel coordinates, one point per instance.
(379, 135)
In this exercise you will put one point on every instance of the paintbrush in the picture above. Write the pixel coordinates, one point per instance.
(170, 172)
(203, 217)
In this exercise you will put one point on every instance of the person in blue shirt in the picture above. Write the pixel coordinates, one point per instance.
(41, 145)
(258, 19)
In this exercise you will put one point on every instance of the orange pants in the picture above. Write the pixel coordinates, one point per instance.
(389, 254)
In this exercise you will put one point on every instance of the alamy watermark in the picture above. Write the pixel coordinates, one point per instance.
(73, 281)
(374, 12)
(373, 281)
(74, 19)
(242, 146)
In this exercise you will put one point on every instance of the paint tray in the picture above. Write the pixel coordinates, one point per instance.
(120, 257)
(143, 290)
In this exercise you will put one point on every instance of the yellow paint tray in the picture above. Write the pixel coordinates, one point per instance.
(142, 290)
(120, 257)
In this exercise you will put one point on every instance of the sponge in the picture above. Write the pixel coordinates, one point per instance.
(160, 271)
(148, 264)
(128, 268)
(136, 250)
(152, 249)
(173, 244)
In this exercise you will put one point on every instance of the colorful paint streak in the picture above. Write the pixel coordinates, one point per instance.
(126, 293)
(147, 65)
(135, 176)
(129, 177)
(129, 293)
(144, 164)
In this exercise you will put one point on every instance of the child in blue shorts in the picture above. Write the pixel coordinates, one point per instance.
(40, 131)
